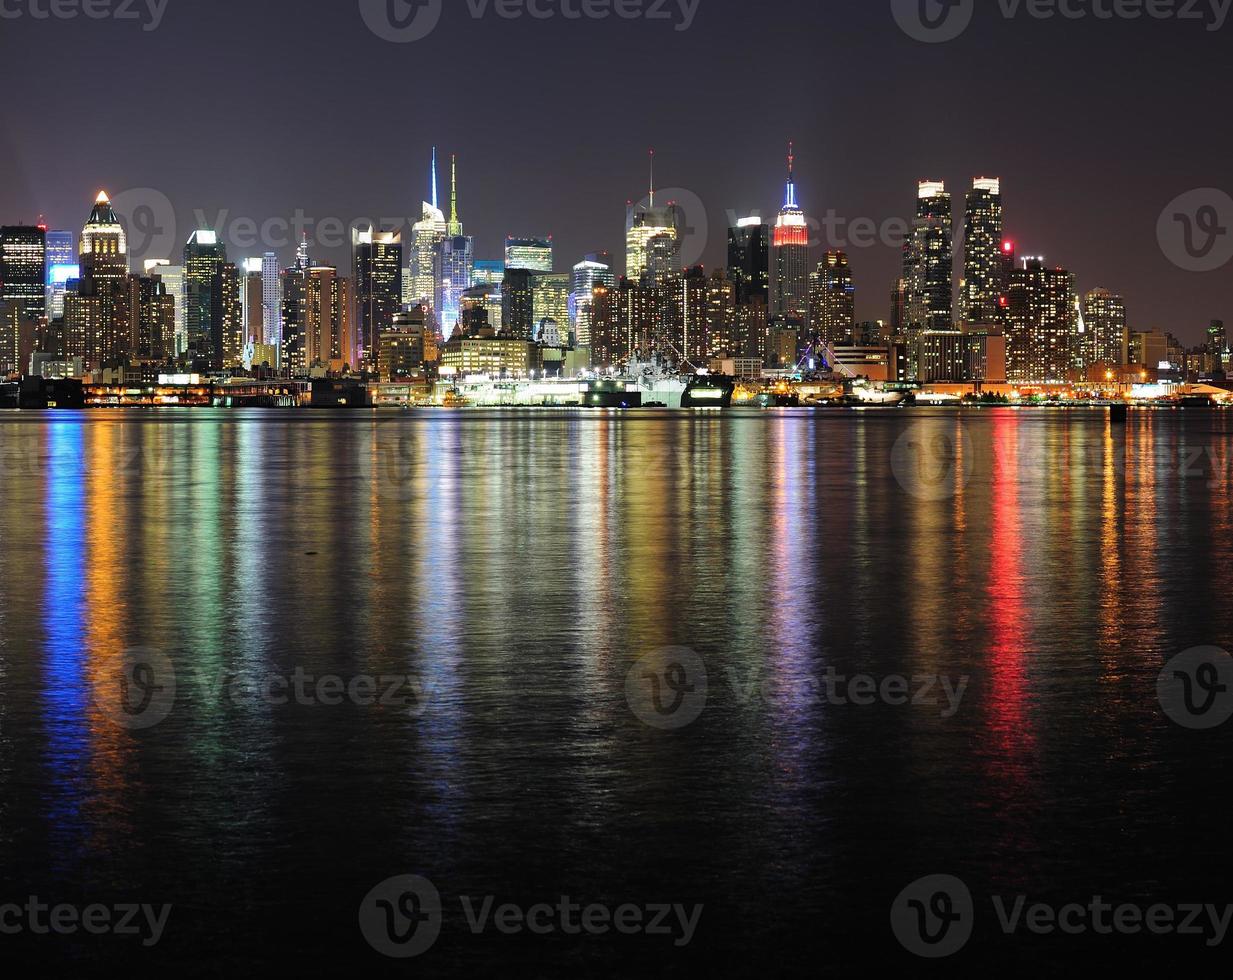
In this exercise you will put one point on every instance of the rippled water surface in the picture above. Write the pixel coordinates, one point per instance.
(499, 575)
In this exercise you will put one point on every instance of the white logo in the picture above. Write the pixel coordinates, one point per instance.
(401, 21)
(933, 21)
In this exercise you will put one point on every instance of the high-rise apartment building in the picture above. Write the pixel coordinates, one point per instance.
(984, 268)
(378, 286)
(833, 299)
(928, 263)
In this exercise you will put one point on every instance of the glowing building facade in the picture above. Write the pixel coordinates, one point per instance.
(790, 249)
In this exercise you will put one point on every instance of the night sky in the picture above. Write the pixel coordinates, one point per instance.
(263, 108)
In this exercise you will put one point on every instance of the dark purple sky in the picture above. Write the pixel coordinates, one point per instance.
(263, 108)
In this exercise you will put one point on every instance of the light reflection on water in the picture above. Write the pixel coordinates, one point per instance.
(515, 565)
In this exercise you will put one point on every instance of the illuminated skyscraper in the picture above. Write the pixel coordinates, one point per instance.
(205, 301)
(1041, 324)
(550, 298)
(984, 271)
(790, 246)
(155, 318)
(271, 300)
(455, 263)
(1106, 335)
(254, 303)
(233, 317)
(928, 263)
(532, 254)
(104, 276)
(833, 299)
(328, 331)
(488, 272)
(749, 259)
(664, 225)
(62, 255)
(593, 271)
(378, 286)
(23, 269)
(518, 304)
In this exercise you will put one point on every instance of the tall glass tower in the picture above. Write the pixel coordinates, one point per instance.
(984, 270)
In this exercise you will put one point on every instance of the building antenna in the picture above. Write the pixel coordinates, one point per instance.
(652, 177)
(434, 177)
(791, 201)
(455, 228)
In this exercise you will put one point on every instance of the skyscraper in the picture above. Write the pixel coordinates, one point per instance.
(233, 316)
(833, 299)
(378, 286)
(518, 304)
(254, 303)
(642, 224)
(205, 304)
(533, 254)
(1041, 324)
(749, 259)
(1106, 336)
(550, 299)
(790, 247)
(984, 271)
(593, 271)
(23, 269)
(61, 259)
(928, 263)
(104, 276)
(271, 300)
(455, 263)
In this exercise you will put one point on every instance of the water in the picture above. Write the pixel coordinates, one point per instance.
(490, 579)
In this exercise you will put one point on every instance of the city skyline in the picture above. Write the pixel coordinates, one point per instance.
(1084, 206)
